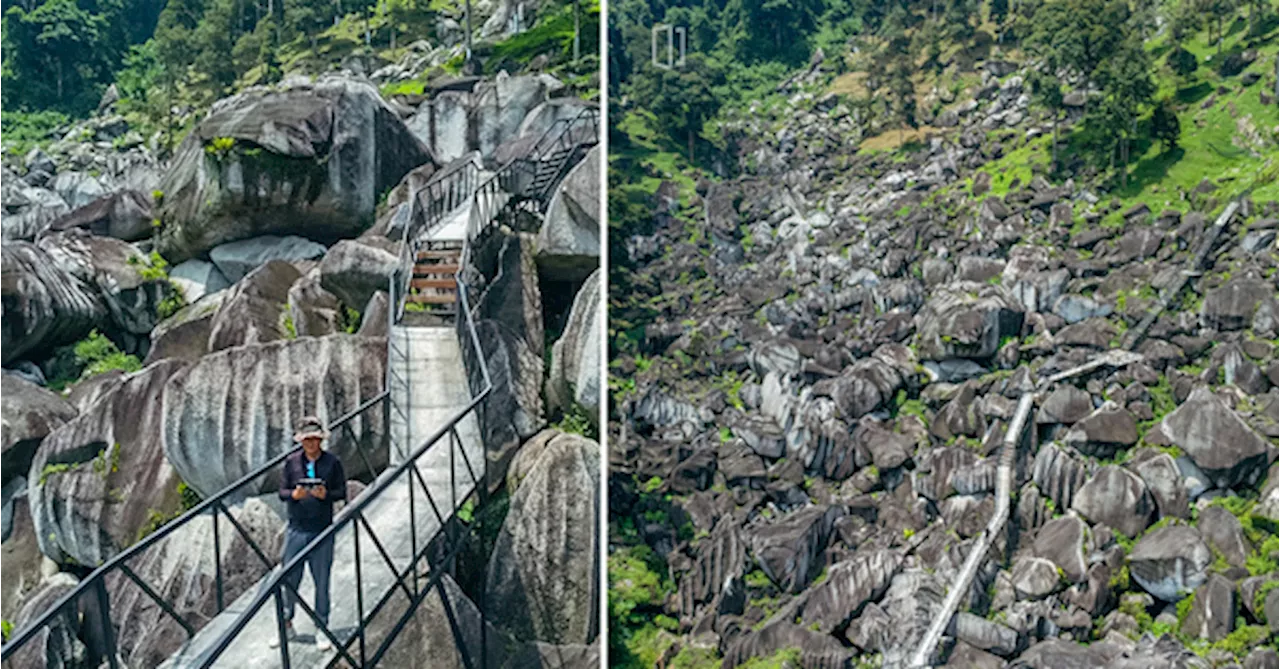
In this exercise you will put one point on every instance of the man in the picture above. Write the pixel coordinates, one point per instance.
(310, 484)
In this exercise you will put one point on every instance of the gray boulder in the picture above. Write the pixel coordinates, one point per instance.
(28, 211)
(1163, 478)
(1062, 540)
(236, 259)
(547, 550)
(985, 634)
(306, 160)
(29, 414)
(185, 335)
(849, 586)
(197, 278)
(1118, 498)
(569, 241)
(1220, 443)
(1170, 562)
(455, 122)
(789, 550)
(1223, 533)
(574, 377)
(56, 291)
(57, 646)
(1034, 578)
(1232, 306)
(313, 311)
(355, 269)
(98, 481)
(235, 409)
(182, 567)
(1102, 433)
(253, 310)
(966, 320)
(514, 411)
(20, 558)
(1213, 610)
(78, 188)
(123, 214)
(131, 294)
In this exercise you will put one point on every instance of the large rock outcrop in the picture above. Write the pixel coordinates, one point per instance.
(55, 291)
(355, 269)
(966, 320)
(1170, 562)
(569, 241)
(123, 214)
(543, 581)
(575, 358)
(28, 413)
(310, 160)
(235, 409)
(99, 480)
(181, 568)
(1221, 444)
(481, 118)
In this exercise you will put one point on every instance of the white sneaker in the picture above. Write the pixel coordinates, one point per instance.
(274, 641)
(322, 643)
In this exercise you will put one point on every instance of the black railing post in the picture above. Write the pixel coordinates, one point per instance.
(108, 632)
(355, 540)
(281, 629)
(413, 533)
(217, 562)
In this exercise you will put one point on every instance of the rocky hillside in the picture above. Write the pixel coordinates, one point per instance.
(169, 315)
(818, 351)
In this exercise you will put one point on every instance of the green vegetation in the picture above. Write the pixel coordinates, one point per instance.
(637, 588)
(575, 420)
(100, 355)
(787, 658)
(55, 468)
(6, 629)
(24, 130)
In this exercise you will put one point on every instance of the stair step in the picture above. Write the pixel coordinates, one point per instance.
(433, 298)
(440, 268)
(438, 254)
(449, 284)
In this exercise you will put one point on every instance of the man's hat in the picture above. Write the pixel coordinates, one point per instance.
(310, 426)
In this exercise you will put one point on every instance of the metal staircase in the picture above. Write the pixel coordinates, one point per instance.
(397, 540)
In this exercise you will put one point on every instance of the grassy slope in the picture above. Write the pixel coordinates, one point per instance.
(1211, 146)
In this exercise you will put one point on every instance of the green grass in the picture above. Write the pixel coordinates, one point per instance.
(23, 131)
(95, 354)
(637, 588)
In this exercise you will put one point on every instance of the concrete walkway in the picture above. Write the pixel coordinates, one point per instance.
(439, 390)
(428, 388)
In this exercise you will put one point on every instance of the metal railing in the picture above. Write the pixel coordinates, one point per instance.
(87, 608)
(445, 191)
(516, 181)
(352, 646)
(91, 596)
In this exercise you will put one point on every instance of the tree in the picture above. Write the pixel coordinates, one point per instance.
(1047, 92)
(1127, 88)
(1078, 34)
(683, 99)
(902, 95)
(1164, 124)
(1217, 11)
(54, 57)
(1182, 62)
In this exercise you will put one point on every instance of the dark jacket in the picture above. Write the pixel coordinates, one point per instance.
(311, 514)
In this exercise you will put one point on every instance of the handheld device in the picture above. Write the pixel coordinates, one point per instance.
(311, 483)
